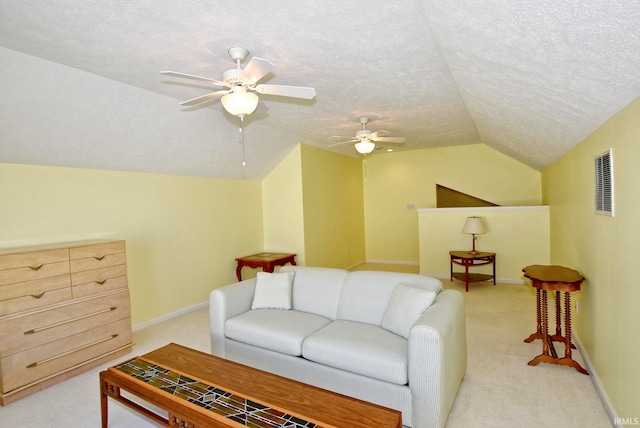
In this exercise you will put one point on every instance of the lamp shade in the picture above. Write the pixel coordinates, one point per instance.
(473, 226)
(365, 146)
(240, 103)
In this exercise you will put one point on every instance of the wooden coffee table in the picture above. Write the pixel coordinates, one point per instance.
(199, 390)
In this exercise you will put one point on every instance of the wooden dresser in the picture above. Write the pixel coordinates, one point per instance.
(64, 309)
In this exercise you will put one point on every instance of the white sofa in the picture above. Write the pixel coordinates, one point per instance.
(333, 337)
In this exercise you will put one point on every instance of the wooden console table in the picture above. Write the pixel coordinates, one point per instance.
(467, 259)
(558, 279)
(267, 261)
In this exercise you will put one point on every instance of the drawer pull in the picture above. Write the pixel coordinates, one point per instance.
(38, 329)
(102, 282)
(35, 268)
(99, 258)
(37, 296)
(46, 360)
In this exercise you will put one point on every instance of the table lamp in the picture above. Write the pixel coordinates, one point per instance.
(473, 226)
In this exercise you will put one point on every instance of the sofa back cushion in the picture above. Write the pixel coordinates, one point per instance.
(316, 289)
(365, 295)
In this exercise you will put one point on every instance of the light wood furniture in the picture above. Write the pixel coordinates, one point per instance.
(267, 261)
(200, 390)
(64, 309)
(558, 279)
(467, 259)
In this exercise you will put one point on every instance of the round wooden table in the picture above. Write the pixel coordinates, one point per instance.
(559, 279)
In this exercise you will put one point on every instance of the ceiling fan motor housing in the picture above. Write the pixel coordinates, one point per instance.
(363, 133)
(233, 76)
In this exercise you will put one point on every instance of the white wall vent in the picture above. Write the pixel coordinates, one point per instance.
(604, 183)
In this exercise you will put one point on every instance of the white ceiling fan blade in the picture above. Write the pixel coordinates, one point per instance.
(377, 134)
(204, 98)
(191, 76)
(331, 146)
(256, 69)
(389, 139)
(287, 91)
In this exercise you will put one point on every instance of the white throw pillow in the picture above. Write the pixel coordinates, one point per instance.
(273, 291)
(407, 304)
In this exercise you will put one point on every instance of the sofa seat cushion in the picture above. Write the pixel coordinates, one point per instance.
(364, 349)
(274, 329)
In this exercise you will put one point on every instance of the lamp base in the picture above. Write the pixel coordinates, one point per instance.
(473, 251)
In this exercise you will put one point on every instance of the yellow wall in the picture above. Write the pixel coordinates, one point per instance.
(283, 209)
(518, 235)
(605, 250)
(182, 233)
(395, 180)
(313, 206)
(333, 208)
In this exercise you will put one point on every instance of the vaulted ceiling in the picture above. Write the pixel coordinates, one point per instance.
(81, 83)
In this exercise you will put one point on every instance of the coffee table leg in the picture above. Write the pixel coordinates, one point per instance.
(104, 411)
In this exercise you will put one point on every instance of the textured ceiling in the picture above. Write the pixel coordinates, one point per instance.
(530, 78)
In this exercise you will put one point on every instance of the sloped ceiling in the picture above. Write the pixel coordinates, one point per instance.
(81, 83)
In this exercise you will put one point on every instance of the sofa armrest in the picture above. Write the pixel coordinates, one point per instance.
(437, 359)
(224, 303)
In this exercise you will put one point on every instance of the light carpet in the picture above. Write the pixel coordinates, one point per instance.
(499, 388)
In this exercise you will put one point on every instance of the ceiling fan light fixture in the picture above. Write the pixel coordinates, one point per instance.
(240, 103)
(365, 146)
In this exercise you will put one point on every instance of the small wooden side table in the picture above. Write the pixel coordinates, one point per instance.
(267, 261)
(558, 279)
(467, 259)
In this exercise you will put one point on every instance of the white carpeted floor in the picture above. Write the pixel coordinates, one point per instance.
(499, 389)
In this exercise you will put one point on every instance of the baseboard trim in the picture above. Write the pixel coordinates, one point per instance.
(355, 266)
(169, 316)
(393, 262)
(446, 276)
(604, 397)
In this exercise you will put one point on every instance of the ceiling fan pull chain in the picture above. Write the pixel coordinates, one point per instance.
(242, 139)
(364, 167)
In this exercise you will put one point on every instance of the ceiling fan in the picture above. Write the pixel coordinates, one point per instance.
(365, 140)
(238, 96)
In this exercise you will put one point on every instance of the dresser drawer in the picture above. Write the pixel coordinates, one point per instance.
(90, 263)
(33, 288)
(36, 300)
(37, 271)
(34, 364)
(98, 275)
(97, 251)
(100, 280)
(32, 259)
(91, 288)
(20, 333)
